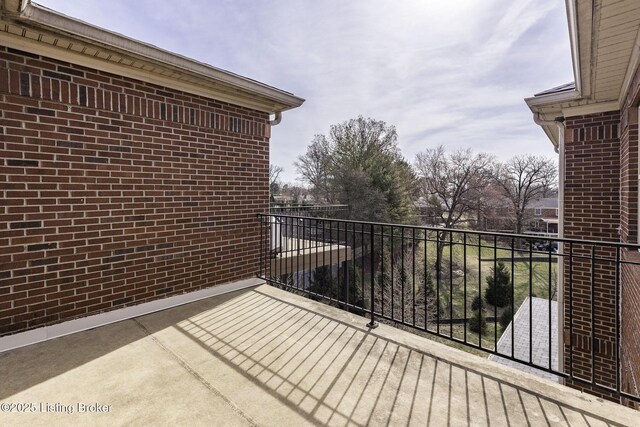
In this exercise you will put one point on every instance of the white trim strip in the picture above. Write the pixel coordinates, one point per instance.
(553, 98)
(582, 110)
(46, 333)
(574, 41)
(35, 47)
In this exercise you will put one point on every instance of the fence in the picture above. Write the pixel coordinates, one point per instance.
(316, 211)
(505, 294)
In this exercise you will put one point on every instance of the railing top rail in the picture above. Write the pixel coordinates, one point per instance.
(309, 207)
(313, 206)
(473, 232)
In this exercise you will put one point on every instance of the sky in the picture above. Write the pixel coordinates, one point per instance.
(443, 72)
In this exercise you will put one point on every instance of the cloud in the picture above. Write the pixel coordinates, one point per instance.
(452, 73)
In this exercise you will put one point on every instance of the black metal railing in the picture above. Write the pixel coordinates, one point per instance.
(505, 294)
(334, 211)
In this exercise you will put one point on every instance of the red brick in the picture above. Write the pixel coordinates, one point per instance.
(592, 211)
(111, 173)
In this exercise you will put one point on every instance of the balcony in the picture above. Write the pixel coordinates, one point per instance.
(546, 305)
(353, 323)
(290, 251)
(263, 356)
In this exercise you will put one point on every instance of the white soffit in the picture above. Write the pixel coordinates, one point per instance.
(581, 110)
(604, 42)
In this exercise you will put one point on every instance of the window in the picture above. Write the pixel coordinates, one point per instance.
(557, 212)
(538, 211)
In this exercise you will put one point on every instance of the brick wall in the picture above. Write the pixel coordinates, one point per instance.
(629, 176)
(117, 192)
(630, 292)
(630, 315)
(592, 211)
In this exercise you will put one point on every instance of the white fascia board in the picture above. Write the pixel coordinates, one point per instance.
(583, 110)
(553, 98)
(550, 106)
(36, 14)
(33, 46)
(572, 21)
(549, 130)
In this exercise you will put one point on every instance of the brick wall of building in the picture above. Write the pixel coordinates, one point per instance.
(630, 292)
(117, 192)
(630, 319)
(544, 213)
(592, 211)
(629, 176)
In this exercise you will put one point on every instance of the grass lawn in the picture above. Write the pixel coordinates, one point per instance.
(471, 267)
(533, 272)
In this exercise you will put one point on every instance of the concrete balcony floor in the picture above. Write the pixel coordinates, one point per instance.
(263, 356)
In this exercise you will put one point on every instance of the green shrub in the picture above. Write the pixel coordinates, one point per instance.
(498, 291)
(478, 323)
(324, 283)
(475, 304)
(506, 317)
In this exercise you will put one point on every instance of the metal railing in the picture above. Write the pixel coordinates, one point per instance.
(335, 211)
(505, 294)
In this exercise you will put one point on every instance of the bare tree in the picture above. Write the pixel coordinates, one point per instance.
(493, 209)
(296, 192)
(523, 179)
(455, 182)
(315, 168)
(405, 288)
(274, 178)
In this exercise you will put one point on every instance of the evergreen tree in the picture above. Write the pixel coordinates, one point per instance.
(478, 323)
(498, 291)
(323, 283)
(359, 164)
(506, 317)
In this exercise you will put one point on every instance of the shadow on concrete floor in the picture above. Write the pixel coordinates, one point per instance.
(278, 359)
(330, 372)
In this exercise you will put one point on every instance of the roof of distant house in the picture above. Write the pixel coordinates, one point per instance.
(423, 203)
(544, 203)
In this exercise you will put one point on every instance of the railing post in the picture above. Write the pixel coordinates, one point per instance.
(261, 268)
(617, 331)
(372, 324)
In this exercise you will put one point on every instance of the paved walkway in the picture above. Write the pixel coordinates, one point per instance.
(539, 338)
(265, 357)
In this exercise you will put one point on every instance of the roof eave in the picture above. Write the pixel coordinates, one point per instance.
(550, 108)
(572, 21)
(36, 15)
(553, 98)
